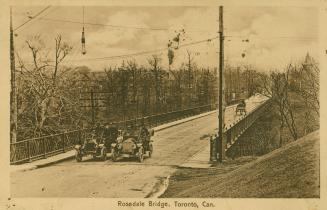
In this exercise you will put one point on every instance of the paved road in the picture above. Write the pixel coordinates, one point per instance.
(126, 178)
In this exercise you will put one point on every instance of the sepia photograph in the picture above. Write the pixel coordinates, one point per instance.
(145, 103)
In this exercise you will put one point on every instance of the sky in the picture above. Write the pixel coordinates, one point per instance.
(277, 35)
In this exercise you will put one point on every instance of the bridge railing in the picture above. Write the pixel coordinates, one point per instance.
(45, 146)
(42, 147)
(158, 119)
(236, 129)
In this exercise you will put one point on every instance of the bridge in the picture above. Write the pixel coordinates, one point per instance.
(178, 137)
(236, 125)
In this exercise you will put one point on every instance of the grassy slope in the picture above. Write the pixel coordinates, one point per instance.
(289, 172)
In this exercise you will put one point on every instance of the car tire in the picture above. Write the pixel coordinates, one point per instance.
(113, 155)
(78, 156)
(150, 150)
(103, 154)
(140, 155)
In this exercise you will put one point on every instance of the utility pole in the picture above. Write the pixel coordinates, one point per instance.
(221, 102)
(13, 92)
(189, 79)
(238, 85)
(92, 107)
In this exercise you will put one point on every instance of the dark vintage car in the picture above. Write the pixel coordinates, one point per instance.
(240, 108)
(135, 142)
(97, 143)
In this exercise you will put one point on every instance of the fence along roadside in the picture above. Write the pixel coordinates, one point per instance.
(45, 146)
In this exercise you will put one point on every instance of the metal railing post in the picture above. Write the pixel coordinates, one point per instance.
(63, 142)
(44, 148)
(29, 151)
(224, 144)
(229, 136)
(80, 137)
(213, 149)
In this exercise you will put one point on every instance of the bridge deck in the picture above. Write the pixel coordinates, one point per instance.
(201, 159)
(251, 104)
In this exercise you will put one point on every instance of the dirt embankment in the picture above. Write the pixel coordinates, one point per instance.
(289, 172)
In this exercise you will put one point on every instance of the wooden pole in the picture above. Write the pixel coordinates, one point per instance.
(13, 93)
(221, 102)
(92, 107)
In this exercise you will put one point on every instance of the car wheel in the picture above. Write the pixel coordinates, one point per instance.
(78, 156)
(140, 155)
(103, 154)
(113, 155)
(150, 150)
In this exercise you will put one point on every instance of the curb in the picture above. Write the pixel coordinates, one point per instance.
(28, 168)
(163, 187)
(41, 165)
(184, 165)
(53, 162)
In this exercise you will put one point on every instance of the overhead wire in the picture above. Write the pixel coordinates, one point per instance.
(74, 54)
(147, 28)
(72, 59)
(167, 29)
(83, 17)
(115, 26)
(83, 36)
(270, 37)
(105, 25)
(145, 52)
(53, 8)
(32, 18)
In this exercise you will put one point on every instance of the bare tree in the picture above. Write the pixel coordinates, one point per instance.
(305, 83)
(39, 85)
(156, 70)
(309, 88)
(276, 86)
(133, 70)
(189, 76)
(50, 93)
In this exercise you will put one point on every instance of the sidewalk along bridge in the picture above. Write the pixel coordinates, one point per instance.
(46, 146)
(235, 126)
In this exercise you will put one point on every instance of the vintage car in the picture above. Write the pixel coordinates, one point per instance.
(97, 144)
(135, 142)
(110, 136)
(240, 108)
